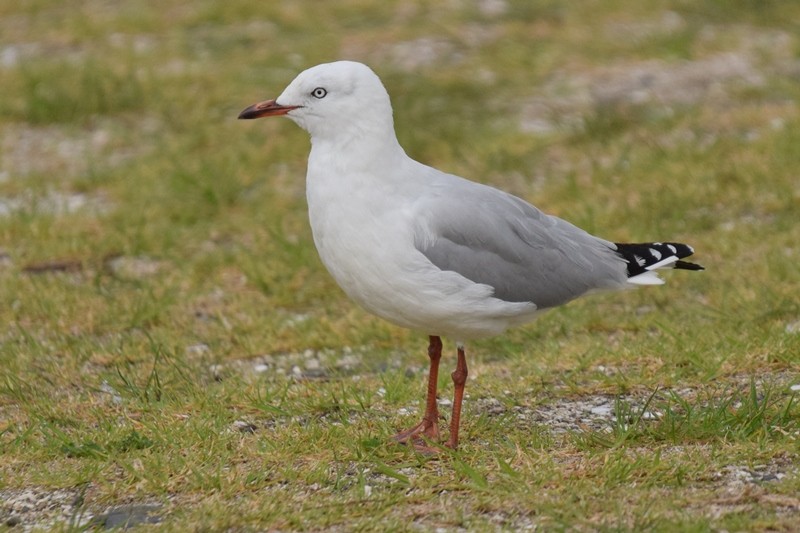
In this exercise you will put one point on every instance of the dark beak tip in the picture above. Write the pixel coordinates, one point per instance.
(268, 108)
(247, 114)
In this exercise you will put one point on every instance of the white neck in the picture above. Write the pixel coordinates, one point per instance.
(355, 151)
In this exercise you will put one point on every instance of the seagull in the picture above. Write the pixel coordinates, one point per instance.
(432, 251)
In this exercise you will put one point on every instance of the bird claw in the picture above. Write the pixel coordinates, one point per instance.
(419, 435)
(420, 444)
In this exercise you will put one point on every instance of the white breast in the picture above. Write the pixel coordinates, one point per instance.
(364, 229)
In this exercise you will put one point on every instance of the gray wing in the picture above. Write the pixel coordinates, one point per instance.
(494, 238)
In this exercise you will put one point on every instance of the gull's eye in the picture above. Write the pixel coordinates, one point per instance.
(319, 92)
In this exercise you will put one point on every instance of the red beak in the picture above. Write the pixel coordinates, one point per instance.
(269, 108)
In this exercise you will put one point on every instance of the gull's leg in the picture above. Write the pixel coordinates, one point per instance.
(429, 427)
(459, 380)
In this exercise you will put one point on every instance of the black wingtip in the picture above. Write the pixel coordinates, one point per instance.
(643, 255)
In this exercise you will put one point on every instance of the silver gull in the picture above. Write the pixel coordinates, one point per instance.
(431, 251)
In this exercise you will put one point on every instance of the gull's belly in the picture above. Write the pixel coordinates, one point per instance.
(374, 260)
(366, 263)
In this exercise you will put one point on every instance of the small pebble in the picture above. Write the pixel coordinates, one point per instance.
(108, 389)
(216, 371)
(5, 260)
(198, 349)
(348, 361)
(244, 427)
(601, 410)
(314, 373)
(126, 516)
(134, 267)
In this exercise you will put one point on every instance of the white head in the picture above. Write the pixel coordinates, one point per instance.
(333, 101)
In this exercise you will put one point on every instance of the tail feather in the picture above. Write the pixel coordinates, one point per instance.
(686, 265)
(646, 257)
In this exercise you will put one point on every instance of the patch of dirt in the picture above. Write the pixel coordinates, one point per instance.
(570, 94)
(63, 152)
(426, 52)
(49, 150)
(41, 508)
(309, 364)
(14, 54)
(670, 83)
(598, 412)
(130, 268)
(37, 508)
(53, 203)
(666, 23)
(419, 53)
(735, 477)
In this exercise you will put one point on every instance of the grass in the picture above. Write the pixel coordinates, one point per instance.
(196, 354)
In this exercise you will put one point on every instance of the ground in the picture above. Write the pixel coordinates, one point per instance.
(174, 355)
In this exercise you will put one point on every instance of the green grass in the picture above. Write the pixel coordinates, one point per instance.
(137, 383)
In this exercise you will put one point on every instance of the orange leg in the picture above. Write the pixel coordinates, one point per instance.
(459, 380)
(429, 427)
